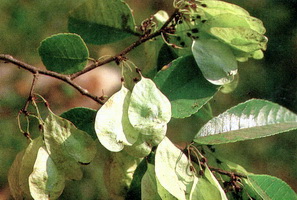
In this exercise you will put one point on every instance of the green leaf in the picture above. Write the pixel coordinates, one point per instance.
(67, 145)
(149, 110)
(165, 57)
(46, 181)
(151, 53)
(185, 87)
(183, 38)
(269, 187)
(112, 125)
(149, 184)
(130, 75)
(171, 164)
(250, 120)
(102, 22)
(64, 53)
(83, 119)
(204, 190)
(212, 179)
(216, 60)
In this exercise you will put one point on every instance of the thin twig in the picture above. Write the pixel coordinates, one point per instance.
(69, 78)
(230, 174)
(195, 159)
(35, 70)
(29, 99)
(128, 49)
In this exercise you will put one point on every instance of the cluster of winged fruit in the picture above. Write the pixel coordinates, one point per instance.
(219, 34)
(134, 120)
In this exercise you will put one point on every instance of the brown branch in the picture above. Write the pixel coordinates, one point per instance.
(29, 99)
(64, 78)
(203, 161)
(223, 172)
(69, 78)
(128, 49)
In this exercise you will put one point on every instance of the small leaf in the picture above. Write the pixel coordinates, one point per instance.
(130, 74)
(171, 164)
(185, 87)
(83, 119)
(46, 181)
(102, 22)
(216, 60)
(112, 125)
(67, 145)
(269, 187)
(64, 53)
(250, 120)
(149, 110)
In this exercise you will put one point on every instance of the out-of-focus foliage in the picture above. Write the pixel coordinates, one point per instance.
(24, 24)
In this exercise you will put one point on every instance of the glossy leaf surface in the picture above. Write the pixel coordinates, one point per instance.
(216, 60)
(64, 53)
(269, 187)
(250, 120)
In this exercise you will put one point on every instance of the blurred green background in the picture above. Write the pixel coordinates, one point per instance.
(24, 23)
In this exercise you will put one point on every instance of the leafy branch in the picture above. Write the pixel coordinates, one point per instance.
(69, 78)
